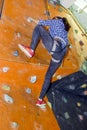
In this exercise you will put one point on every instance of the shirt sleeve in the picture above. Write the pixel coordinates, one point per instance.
(45, 22)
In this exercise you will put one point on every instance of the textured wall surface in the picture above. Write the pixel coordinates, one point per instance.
(18, 110)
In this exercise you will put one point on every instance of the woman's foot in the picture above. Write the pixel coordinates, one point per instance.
(26, 50)
(41, 103)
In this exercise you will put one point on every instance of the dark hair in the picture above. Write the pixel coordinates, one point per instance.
(65, 21)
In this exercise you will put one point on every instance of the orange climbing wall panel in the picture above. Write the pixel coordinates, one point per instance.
(14, 81)
(17, 70)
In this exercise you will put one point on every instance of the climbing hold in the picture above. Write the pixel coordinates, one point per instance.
(66, 115)
(14, 124)
(15, 53)
(85, 92)
(59, 77)
(80, 117)
(85, 113)
(72, 87)
(53, 93)
(8, 99)
(60, 10)
(50, 105)
(83, 34)
(78, 104)
(81, 43)
(84, 67)
(6, 87)
(70, 46)
(33, 79)
(28, 90)
(29, 19)
(5, 69)
(76, 31)
(18, 34)
(64, 99)
(84, 86)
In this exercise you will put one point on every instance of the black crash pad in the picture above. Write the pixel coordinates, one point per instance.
(68, 97)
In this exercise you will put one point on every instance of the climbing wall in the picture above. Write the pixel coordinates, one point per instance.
(21, 78)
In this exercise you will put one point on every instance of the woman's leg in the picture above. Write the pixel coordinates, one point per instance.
(51, 70)
(54, 65)
(40, 33)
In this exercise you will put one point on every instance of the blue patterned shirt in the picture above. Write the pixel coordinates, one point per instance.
(56, 29)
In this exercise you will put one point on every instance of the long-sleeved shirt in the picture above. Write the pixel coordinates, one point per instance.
(56, 29)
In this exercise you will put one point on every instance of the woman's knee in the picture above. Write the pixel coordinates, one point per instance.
(38, 27)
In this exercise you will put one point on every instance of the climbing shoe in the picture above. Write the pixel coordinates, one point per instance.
(26, 50)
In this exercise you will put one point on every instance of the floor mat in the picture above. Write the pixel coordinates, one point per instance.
(68, 97)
